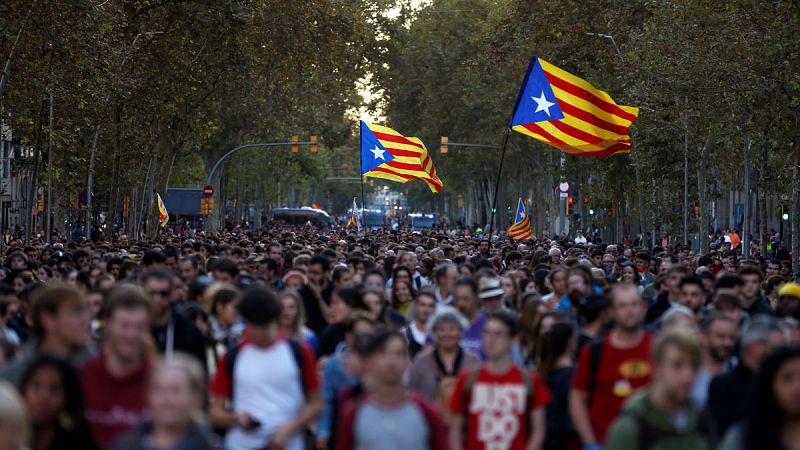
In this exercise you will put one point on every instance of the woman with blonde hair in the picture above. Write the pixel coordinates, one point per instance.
(175, 396)
(293, 318)
(14, 421)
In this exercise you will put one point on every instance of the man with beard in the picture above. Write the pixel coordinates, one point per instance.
(693, 294)
(720, 333)
(610, 369)
(579, 286)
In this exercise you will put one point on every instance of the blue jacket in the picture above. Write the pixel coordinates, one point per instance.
(334, 379)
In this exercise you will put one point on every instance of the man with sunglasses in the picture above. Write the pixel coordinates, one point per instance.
(171, 330)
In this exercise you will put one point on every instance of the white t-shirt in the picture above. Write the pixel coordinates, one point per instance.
(266, 385)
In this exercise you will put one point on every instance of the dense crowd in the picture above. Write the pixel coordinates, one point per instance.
(295, 338)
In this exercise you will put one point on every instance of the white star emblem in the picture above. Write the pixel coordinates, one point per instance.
(378, 153)
(542, 104)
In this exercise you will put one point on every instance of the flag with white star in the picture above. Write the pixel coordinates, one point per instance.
(570, 114)
(521, 228)
(387, 154)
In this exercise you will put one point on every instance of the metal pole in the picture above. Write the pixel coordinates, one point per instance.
(48, 219)
(89, 183)
(497, 186)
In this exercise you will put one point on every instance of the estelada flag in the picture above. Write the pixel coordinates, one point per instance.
(521, 229)
(387, 154)
(163, 215)
(570, 114)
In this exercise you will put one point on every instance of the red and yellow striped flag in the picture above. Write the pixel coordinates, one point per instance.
(387, 154)
(570, 114)
(521, 229)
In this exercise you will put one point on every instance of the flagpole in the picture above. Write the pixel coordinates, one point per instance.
(497, 185)
(363, 206)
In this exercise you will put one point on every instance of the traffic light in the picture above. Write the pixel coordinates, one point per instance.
(210, 204)
(570, 201)
(444, 147)
(313, 140)
(40, 204)
(295, 140)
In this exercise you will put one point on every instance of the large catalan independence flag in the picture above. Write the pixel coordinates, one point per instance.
(521, 229)
(570, 114)
(387, 154)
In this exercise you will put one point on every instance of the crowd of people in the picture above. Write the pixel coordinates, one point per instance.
(292, 338)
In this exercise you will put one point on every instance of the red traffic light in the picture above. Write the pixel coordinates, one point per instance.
(570, 200)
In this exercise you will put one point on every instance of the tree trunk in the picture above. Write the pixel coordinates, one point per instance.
(116, 164)
(762, 200)
(703, 191)
(795, 225)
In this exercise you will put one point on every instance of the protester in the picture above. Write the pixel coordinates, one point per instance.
(60, 328)
(773, 405)
(272, 406)
(416, 332)
(465, 299)
(498, 405)
(389, 417)
(293, 319)
(650, 417)
(611, 369)
(14, 421)
(175, 398)
(434, 372)
(556, 368)
(115, 380)
(726, 401)
(54, 399)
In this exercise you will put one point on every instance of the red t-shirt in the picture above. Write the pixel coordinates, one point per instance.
(113, 405)
(497, 408)
(620, 373)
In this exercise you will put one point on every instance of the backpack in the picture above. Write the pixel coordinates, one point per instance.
(297, 353)
(595, 354)
(526, 379)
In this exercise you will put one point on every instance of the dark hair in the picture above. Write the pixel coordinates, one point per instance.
(73, 392)
(506, 319)
(354, 318)
(352, 297)
(150, 257)
(469, 282)
(750, 269)
(157, 274)
(225, 265)
(555, 343)
(762, 426)
(124, 296)
(338, 272)
(223, 296)
(380, 339)
(593, 307)
(728, 281)
(693, 279)
(259, 306)
(323, 261)
(48, 300)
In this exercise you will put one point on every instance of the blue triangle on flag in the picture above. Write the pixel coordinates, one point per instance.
(373, 153)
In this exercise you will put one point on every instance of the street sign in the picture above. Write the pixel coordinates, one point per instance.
(563, 187)
(208, 191)
(563, 195)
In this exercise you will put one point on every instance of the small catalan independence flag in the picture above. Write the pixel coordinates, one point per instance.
(570, 114)
(521, 229)
(387, 154)
(163, 215)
